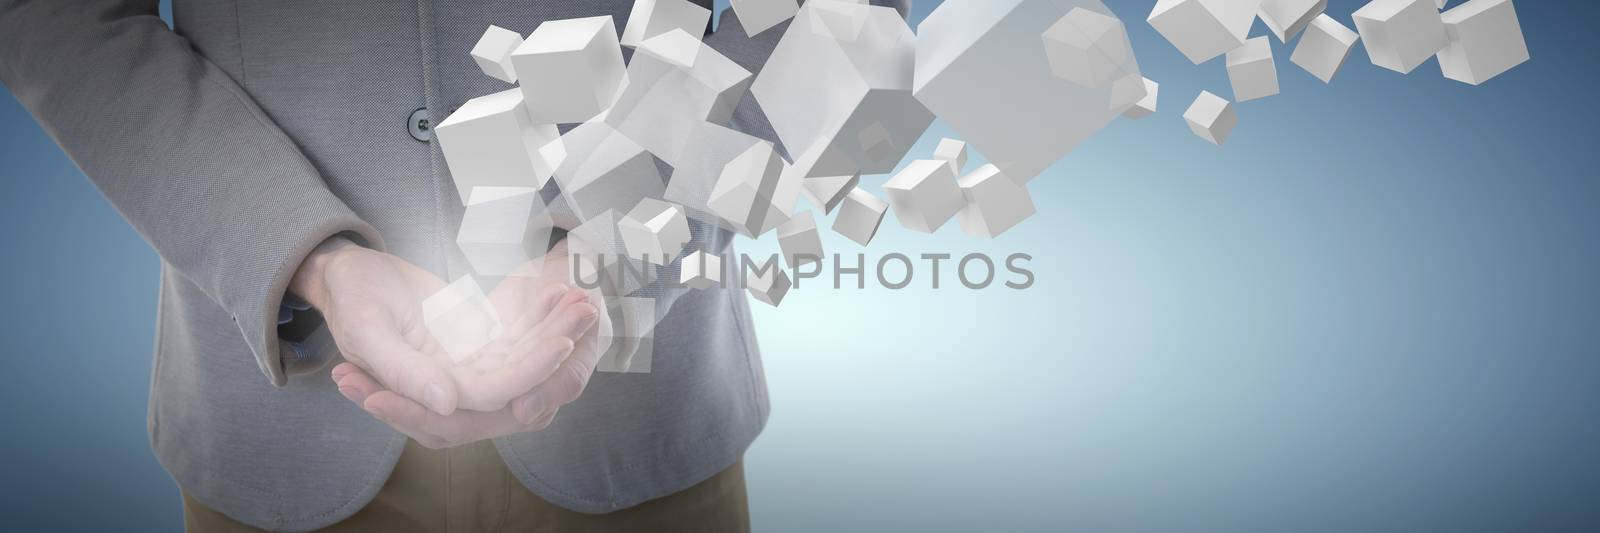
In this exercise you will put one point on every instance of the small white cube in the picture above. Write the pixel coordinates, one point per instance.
(461, 319)
(493, 53)
(954, 152)
(1211, 117)
(1145, 106)
(700, 270)
(826, 192)
(799, 240)
(1285, 18)
(1204, 29)
(655, 231)
(1400, 34)
(1324, 48)
(859, 216)
(753, 193)
(1485, 39)
(490, 142)
(758, 16)
(1085, 47)
(1251, 70)
(496, 230)
(650, 18)
(994, 203)
(571, 69)
(768, 283)
(924, 195)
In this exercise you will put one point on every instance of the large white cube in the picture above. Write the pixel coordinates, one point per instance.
(846, 102)
(1400, 34)
(461, 319)
(1211, 117)
(606, 171)
(994, 203)
(1485, 39)
(982, 68)
(1086, 47)
(493, 53)
(799, 240)
(1286, 18)
(768, 283)
(859, 216)
(655, 231)
(753, 194)
(570, 70)
(1204, 29)
(650, 18)
(497, 230)
(676, 83)
(700, 270)
(758, 16)
(1252, 71)
(490, 142)
(1145, 106)
(924, 195)
(825, 192)
(1324, 47)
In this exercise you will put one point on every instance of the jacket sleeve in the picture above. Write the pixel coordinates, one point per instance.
(221, 193)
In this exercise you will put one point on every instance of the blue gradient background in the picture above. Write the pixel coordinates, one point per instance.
(1376, 308)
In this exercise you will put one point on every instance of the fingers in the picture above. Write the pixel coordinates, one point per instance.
(490, 390)
(403, 369)
(355, 384)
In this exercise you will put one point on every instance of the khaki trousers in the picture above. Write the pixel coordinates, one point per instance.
(468, 489)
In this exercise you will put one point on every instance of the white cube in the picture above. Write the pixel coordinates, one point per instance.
(924, 195)
(1204, 29)
(1286, 18)
(497, 230)
(859, 216)
(799, 240)
(1086, 47)
(1211, 117)
(655, 231)
(650, 18)
(606, 171)
(825, 192)
(1009, 105)
(953, 152)
(768, 283)
(1485, 39)
(490, 142)
(1400, 34)
(994, 203)
(493, 53)
(758, 16)
(753, 193)
(1145, 106)
(1251, 70)
(848, 104)
(571, 70)
(461, 319)
(676, 83)
(1324, 48)
(700, 270)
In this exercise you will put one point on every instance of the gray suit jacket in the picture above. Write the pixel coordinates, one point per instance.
(257, 130)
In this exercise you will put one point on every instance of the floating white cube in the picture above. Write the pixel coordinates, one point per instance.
(495, 230)
(848, 104)
(953, 152)
(490, 142)
(650, 18)
(859, 216)
(1286, 18)
(655, 231)
(982, 69)
(700, 270)
(1485, 39)
(799, 240)
(1204, 29)
(1324, 47)
(826, 192)
(1145, 106)
(924, 195)
(1251, 70)
(571, 69)
(1086, 47)
(461, 320)
(758, 16)
(676, 83)
(606, 171)
(1400, 34)
(493, 53)
(994, 203)
(768, 283)
(753, 194)
(1211, 117)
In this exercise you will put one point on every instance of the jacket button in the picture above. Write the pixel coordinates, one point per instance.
(420, 125)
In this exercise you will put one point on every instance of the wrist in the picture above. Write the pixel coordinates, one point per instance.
(310, 281)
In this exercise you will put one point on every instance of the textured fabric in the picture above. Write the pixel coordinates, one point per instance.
(468, 490)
